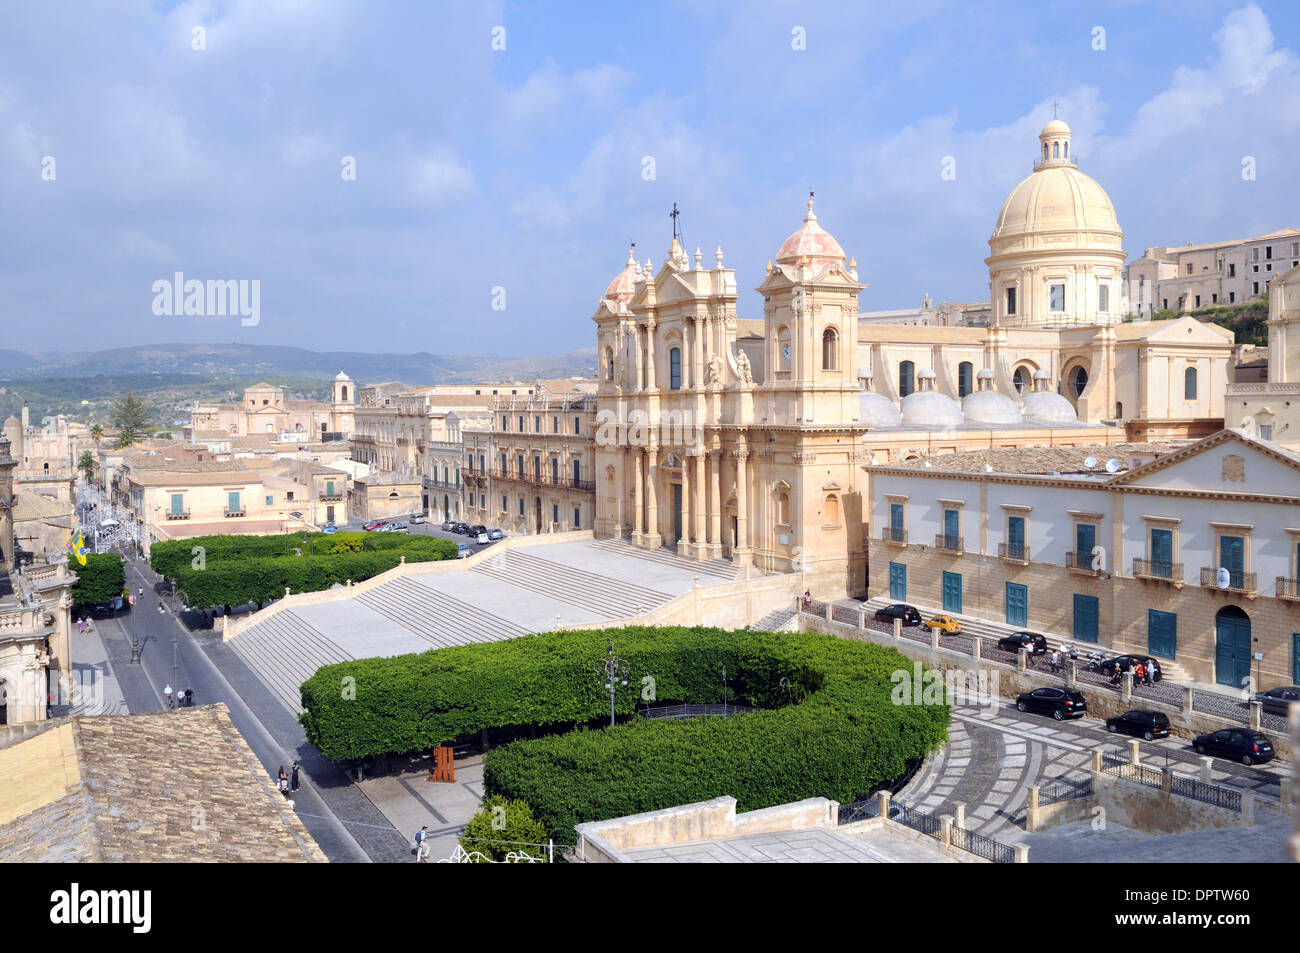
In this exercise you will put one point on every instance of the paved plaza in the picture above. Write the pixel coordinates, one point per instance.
(878, 845)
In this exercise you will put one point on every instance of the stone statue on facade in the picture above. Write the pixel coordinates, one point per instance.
(715, 370)
(742, 365)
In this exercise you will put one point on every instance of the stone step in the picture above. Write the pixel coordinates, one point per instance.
(723, 569)
(285, 651)
(437, 618)
(775, 621)
(601, 595)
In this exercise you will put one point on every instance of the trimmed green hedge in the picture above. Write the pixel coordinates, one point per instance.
(234, 570)
(100, 580)
(845, 739)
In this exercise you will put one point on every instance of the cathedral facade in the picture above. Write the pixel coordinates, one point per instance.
(720, 438)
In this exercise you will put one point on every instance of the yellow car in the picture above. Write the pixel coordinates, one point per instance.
(944, 623)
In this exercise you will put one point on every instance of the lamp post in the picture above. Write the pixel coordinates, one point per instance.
(614, 671)
(724, 691)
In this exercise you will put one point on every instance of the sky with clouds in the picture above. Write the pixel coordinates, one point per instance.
(522, 168)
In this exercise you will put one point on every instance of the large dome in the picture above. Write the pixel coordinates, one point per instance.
(1057, 197)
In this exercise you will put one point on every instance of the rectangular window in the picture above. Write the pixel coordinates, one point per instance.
(1189, 269)
(555, 425)
(1232, 270)
(675, 368)
(270, 501)
(1103, 297)
(232, 501)
(896, 522)
(1268, 252)
(1086, 615)
(1057, 302)
(1232, 297)
(505, 505)
(577, 425)
(1162, 633)
(1266, 431)
(555, 512)
(1011, 301)
(1085, 539)
(577, 518)
(521, 506)
(178, 503)
(505, 423)
(951, 529)
(1214, 298)
(1198, 301)
(1255, 287)
(1232, 557)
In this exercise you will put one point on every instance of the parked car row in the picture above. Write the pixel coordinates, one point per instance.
(479, 533)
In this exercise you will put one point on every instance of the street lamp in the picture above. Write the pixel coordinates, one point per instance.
(614, 671)
(724, 691)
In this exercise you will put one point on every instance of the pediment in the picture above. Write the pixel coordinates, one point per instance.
(1225, 462)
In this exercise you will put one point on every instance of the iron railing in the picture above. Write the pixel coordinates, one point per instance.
(1013, 551)
(1215, 794)
(982, 846)
(1157, 569)
(178, 514)
(1080, 561)
(1288, 588)
(949, 544)
(1054, 792)
(894, 535)
(544, 479)
(1238, 581)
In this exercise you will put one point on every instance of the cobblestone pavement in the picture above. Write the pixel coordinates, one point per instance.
(995, 753)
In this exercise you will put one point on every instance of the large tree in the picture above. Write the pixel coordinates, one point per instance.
(131, 417)
(101, 579)
(97, 431)
(86, 464)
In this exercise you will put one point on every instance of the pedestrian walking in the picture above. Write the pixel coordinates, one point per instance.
(167, 693)
(1139, 673)
(1074, 652)
(189, 698)
(1056, 661)
(282, 782)
(81, 624)
(422, 844)
(293, 777)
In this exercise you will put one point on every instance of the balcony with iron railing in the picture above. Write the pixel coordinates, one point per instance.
(238, 512)
(545, 478)
(1014, 552)
(1082, 562)
(1288, 588)
(330, 497)
(897, 537)
(177, 514)
(948, 544)
(1238, 581)
(1158, 570)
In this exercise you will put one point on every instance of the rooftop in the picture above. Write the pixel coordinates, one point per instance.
(1042, 460)
(104, 789)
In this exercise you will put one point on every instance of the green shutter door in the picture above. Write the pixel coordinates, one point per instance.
(898, 581)
(1162, 552)
(1085, 618)
(1017, 604)
(1295, 658)
(1162, 633)
(1232, 651)
(1085, 538)
(951, 528)
(952, 592)
(1232, 557)
(1016, 537)
(896, 520)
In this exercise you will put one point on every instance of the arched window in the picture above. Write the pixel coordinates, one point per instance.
(906, 378)
(675, 369)
(830, 350)
(1044, 152)
(345, 392)
(965, 374)
(1078, 381)
(1067, 150)
(831, 511)
(1021, 380)
(1189, 384)
(1119, 411)
(609, 363)
(1056, 150)
(783, 508)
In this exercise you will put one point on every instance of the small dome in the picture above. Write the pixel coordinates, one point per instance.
(1042, 376)
(1055, 128)
(624, 284)
(865, 372)
(1048, 407)
(990, 407)
(813, 241)
(984, 375)
(929, 408)
(877, 410)
(926, 373)
(340, 376)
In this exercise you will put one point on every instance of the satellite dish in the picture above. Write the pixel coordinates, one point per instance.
(1223, 579)
(1112, 465)
(1090, 462)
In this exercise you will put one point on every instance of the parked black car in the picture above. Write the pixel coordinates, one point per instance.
(1278, 701)
(1126, 662)
(1145, 724)
(477, 530)
(899, 610)
(1035, 643)
(1060, 703)
(1248, 747)
(461, 529)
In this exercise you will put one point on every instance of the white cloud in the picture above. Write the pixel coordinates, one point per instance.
(440, 179)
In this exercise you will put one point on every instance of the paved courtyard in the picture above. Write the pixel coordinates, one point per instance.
(409, 800)
(818, 846)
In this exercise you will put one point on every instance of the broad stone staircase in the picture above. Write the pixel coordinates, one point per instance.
(1173, 673)
(720, 570)
(285, 651)
(778, 620)
(605, 597)
(439, 619)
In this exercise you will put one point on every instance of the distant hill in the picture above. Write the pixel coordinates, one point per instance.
(269, 361)
(171, 377)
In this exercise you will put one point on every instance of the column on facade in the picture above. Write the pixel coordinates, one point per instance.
(650, 380)
(637, 456)
(741, 454)
(698, 339)
(686, 500)
(651, 494)
(698, 509)
(715, 492)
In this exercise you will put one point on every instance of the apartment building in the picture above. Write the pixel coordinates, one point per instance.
(1188, 277)
(1190, 553)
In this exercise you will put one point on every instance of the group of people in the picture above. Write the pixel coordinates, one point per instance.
(1056, 658)
(1141, 674)
(288, 783)
(179, 699)
(84, 624)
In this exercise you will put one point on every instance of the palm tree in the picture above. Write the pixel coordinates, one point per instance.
(86, 464)
(97, 431)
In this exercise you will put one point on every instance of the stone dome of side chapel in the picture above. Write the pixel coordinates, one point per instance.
(987, 406)
(875, 410)
(1047, 406)
(926, 407)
